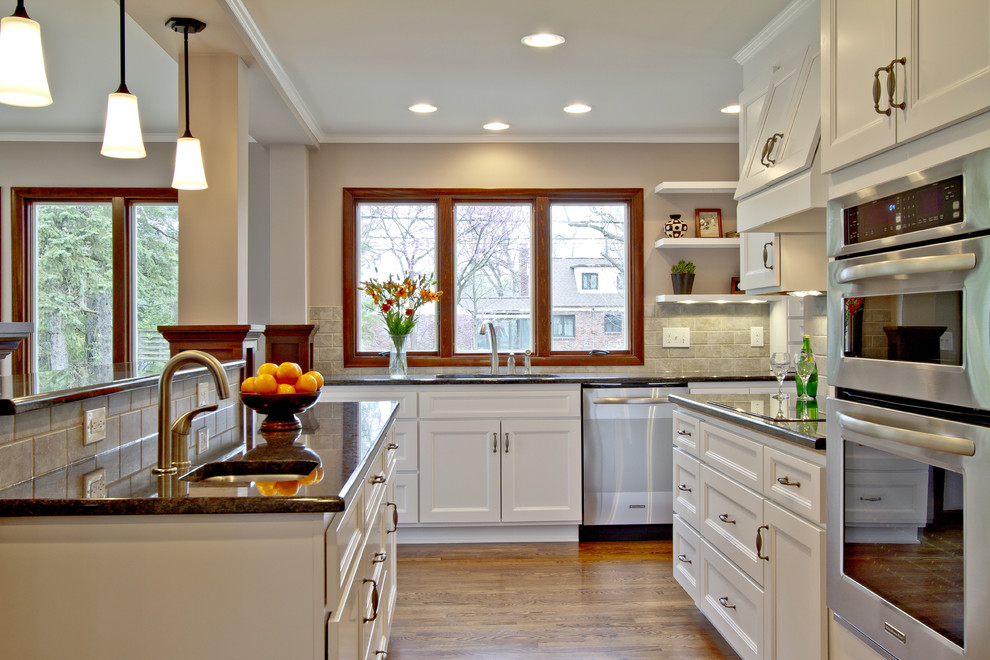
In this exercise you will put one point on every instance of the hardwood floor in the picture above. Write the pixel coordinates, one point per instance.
(520, 601)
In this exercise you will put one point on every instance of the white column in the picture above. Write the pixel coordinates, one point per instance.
(289, 236)
(213, 223)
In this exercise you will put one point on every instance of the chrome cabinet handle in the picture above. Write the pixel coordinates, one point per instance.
(683, 558)
(773, 143)
(877, 90)
(392, 446)
(892, 84)
(785, 481)
(374, 600)
(871, 499)
(725, 518)
(904, 436)
(759, 542)
(766, 255)
(724, 602)
(379, 558)
(494, 443)
(506, 443)
(683, 488)
(395, 517)
(378, 479)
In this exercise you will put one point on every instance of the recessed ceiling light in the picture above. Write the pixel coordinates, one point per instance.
(577, 108)
(495, 126)
(731, 109)
(423, 107)
(542, 40)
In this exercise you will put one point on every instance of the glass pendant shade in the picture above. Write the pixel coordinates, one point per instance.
(122, 137)
(189, 172)
(23, 80)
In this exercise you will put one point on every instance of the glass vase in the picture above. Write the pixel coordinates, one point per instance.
(398, 366)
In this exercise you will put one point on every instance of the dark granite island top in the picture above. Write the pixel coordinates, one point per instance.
(759, 413)
(344, 435)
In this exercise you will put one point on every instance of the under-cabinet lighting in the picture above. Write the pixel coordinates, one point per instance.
(733, 109)
(802, 294)
(422, 108)
(543, 40)
(577, 108)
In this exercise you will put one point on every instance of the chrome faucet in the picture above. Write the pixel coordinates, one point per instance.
(493, 340)
(173, 436)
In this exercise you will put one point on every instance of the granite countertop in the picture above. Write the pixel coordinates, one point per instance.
(344, 435)
(595, 379)
(759, 413)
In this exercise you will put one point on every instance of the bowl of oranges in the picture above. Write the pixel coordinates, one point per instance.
(279, 391)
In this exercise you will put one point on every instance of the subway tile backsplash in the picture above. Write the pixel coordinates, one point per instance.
(42, 454)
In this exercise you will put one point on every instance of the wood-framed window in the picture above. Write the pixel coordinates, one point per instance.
(520, 258)
(96, 270)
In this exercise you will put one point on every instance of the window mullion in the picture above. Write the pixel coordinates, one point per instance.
(124, 311)
(445, 279)
(541, 273)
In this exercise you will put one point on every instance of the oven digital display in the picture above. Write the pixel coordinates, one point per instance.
(934, 205)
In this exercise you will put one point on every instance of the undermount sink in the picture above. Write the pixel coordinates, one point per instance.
(245, 471)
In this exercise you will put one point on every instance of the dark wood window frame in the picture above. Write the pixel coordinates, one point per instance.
(23, 250)
(541, 199)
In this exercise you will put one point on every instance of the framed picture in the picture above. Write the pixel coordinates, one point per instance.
(734, 286)
(708, 223)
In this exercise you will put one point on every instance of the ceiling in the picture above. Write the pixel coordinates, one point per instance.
(347, 70)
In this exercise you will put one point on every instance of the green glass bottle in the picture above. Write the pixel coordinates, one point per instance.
(813, 379)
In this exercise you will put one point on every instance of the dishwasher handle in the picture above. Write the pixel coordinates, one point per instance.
(626, 400)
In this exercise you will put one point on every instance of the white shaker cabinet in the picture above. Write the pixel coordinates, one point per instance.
(513, 470)
(775, 262)
(894, 70)
(749, 536)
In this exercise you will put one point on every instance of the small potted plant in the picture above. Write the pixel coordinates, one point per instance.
(682, 277)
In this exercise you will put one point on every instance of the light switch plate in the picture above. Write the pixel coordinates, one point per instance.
(677, 337)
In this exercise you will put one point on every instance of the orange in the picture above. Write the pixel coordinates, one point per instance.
(306, 383)
(318, 376)
(286, 488)
(248, 385)
(288, 372)
(314, 477)
(268, 368)
(265, 384)
(265, 488)
(285, 388)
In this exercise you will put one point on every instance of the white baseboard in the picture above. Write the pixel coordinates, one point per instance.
(488, 534)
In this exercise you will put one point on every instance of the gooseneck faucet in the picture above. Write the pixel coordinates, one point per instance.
(493, 341)
(172, 450)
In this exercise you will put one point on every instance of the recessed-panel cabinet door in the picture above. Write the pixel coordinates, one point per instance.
(758, 260)
(541, 470)
(459, 471)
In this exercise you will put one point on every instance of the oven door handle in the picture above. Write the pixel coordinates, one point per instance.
(622, 400)
(911, 266)
(942, 443)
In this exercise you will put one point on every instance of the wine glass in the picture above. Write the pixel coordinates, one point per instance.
(804, 365)
(779, 364)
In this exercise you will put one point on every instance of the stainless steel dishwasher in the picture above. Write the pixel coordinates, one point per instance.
(627, 435)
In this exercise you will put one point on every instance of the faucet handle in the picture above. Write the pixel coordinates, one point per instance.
(180, 431)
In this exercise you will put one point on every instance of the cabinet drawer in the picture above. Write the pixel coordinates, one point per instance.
(519, 401)
(732, 602)
(343, 543)
(407, 438)
(886, 497)
(687, 431)
(794, 483)
(730, 517)
(733, 454)
(686, 487)
(685, 546)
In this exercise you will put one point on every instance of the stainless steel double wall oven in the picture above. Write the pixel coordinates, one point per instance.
(909, 427)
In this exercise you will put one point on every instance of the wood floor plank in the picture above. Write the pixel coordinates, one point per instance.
(522, 601)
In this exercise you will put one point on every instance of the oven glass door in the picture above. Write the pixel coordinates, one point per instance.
(903, 535)
(911, 327)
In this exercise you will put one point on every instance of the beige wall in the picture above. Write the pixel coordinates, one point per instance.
(501, 165)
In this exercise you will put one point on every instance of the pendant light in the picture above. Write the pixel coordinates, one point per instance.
(189, 172)
(122, 135)
(23, 80)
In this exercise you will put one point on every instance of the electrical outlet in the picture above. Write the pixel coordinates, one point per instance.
(677, 337)
(202, 394)
(756, 336)
(95, 426)
(202, 440)
(95, 484)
